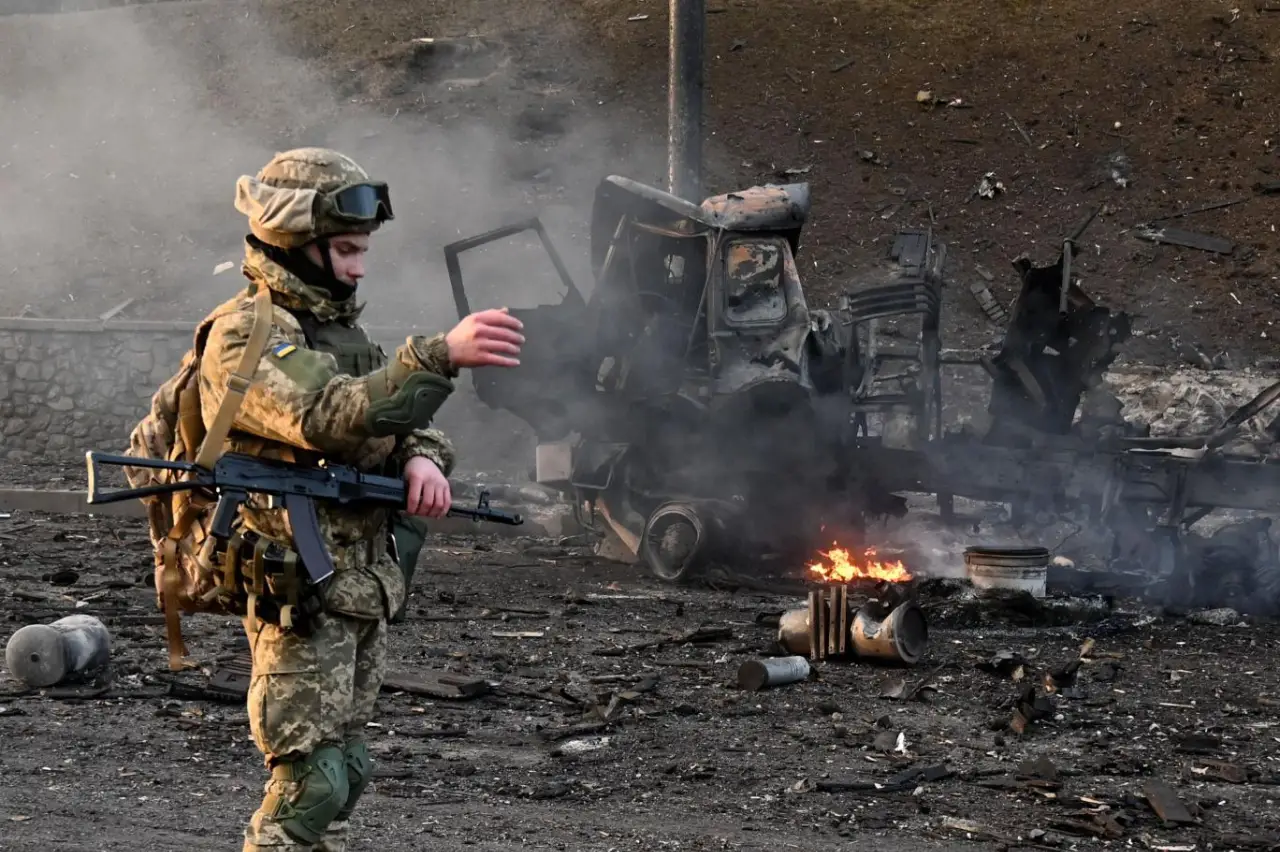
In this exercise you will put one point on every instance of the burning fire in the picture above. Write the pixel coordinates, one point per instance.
(841, 567)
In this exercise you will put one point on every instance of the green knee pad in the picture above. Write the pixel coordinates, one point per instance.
(320, 795)
(359, 766)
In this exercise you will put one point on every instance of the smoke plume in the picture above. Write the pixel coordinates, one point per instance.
(126, 129)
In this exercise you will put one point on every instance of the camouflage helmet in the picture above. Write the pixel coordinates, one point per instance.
(310, 193)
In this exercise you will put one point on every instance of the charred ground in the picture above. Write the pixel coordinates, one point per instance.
(821, 91)
(685, 759)
(1049, 98)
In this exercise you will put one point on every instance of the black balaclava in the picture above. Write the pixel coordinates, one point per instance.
(296, 262)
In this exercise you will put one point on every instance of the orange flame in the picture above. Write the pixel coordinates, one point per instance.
(842, 567)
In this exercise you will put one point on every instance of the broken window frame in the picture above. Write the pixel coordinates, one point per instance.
(700, 330)
(721, 278)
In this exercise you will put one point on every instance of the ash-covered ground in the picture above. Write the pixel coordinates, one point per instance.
(894, 113)
(614, 720)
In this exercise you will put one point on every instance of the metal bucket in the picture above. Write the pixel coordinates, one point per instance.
(1008, 568)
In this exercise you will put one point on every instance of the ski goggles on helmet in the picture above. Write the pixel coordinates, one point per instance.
(361, 202)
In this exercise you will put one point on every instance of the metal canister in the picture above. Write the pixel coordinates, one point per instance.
(756, 675)
(42, 655)
(793, 631)
(900, 636)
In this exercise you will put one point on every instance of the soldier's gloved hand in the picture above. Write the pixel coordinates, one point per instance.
(426, 489)
(489, 338)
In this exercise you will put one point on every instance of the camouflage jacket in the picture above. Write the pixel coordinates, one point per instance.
(301, 407)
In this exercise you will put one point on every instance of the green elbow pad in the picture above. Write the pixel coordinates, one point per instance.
(410, 406)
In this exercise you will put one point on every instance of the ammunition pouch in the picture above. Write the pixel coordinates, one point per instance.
(267, 582)
(403, 400)
(405, 539)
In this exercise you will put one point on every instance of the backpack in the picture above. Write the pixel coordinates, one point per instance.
(186, 578)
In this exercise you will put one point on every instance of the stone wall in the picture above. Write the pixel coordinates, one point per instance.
(71, 385)
(51, 7)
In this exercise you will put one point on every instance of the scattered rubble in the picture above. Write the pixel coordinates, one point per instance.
(632, 688)
(988, 187)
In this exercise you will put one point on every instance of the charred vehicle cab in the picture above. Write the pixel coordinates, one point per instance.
(694, 401)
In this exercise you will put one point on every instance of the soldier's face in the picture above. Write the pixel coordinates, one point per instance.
(347, 252)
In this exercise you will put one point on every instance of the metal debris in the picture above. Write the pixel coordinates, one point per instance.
(755, 675)
(1165, 802)
(988, 187)
(988, 303)
(446, 685)
(1187, 239)
(1029, 708)
(829, 628)
(115, 311)
(75, 648)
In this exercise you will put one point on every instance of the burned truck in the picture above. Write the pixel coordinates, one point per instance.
(695, 404)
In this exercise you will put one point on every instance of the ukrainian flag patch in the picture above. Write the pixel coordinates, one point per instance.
(282, 349)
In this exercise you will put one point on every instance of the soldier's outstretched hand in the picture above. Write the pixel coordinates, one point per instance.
(489, 338)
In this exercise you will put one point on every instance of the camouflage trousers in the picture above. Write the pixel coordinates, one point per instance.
(308, 692)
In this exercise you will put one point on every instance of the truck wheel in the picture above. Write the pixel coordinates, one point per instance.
(674, 544)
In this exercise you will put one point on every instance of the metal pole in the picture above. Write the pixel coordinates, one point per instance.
(684, 98)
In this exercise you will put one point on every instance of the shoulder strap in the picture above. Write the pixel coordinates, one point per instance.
(239, 381)
(238, 384)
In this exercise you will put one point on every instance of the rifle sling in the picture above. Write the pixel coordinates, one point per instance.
(238, 384)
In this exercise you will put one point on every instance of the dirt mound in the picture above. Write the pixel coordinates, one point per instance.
(407, 69)
(895, 112)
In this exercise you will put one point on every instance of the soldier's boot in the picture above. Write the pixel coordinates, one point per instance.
(302, 798)
(359, 766)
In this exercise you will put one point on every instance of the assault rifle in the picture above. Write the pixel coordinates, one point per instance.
(235, 476)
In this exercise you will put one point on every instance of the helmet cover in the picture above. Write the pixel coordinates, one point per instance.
(293, 199)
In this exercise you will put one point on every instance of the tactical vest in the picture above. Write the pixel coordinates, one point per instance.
(356, 354)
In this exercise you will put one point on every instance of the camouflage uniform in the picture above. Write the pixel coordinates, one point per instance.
(312, 695)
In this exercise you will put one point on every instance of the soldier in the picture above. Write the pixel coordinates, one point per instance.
(323, 390)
